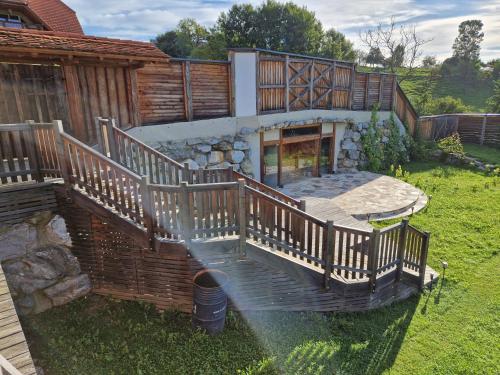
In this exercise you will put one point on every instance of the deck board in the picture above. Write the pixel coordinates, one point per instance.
(13, 345)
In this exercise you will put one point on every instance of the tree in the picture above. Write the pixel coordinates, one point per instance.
(467, 44)
(447, 104)
(494, 101)
(272, 25)
(187, 36)
(429, 62)
(400, 45)
(336, 46)
(375, 57)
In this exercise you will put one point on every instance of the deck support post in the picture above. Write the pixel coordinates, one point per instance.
(58, 129)
(327, 254)
(373, 258)
(242, 216)
(401, 249)
(185, 214)
(423, 259)
(33, 152)
(148, 209)
(113, 154)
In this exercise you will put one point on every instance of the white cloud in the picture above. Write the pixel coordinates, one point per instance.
(143, 19)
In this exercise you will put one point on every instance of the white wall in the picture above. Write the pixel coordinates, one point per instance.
(245, 84)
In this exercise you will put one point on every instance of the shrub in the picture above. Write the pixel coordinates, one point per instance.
(451, 144)
(395, 151)
(447, 104)
(372, 143)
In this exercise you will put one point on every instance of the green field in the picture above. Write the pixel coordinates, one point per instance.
(483, 153)
(452, 330)
(474, 95)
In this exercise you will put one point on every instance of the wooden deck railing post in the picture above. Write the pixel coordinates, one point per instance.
(373, 258)
(147, 209)
(302, 205)
(242, 215)
(327, 254)
(110, 124)
(423, 259)
(287, 83)
(229, 174)
(57, 126)
(187, 174)
(34, 152)
(98, 135)
(401, 249)
(185, 214)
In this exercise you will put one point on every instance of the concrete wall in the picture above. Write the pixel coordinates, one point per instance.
(245, 84)
(249, 126)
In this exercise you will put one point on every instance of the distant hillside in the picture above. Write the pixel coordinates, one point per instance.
(474, 96)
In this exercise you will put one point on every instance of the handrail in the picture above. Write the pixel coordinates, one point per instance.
(267, 189)
(5, 365)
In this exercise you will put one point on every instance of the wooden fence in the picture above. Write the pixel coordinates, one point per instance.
(472, 128)
(287, 82)
(405, 110)
(183, 90)
(189, 212)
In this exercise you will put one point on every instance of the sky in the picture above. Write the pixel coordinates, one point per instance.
(437, 20)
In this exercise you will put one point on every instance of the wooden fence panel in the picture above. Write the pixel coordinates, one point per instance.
(210, 87)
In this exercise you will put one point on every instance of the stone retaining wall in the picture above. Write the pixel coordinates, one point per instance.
(213, 152)
(39, 267)
(351, 155)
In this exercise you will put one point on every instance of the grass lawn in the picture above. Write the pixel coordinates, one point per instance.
(452, 330)
(483, 153)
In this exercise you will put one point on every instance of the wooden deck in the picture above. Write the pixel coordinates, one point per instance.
(13, 345)
(257, 283)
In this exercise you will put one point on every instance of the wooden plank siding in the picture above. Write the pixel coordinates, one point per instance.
(183, 90)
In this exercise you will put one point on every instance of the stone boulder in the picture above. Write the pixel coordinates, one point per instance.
(215, 157)
(69, 289)
(17, 240)
(241, 145)
(236, 156)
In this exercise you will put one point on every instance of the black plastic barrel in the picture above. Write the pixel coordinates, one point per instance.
(209, 300)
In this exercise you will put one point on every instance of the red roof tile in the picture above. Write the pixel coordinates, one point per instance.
(54, 43)
(56, 15)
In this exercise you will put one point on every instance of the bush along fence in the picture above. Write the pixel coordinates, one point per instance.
(168, 202)
(483, 129)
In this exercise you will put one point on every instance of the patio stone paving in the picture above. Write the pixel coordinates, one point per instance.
(352, 198)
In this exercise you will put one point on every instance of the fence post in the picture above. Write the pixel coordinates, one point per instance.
(110, 124)
(423, 259)
(188, 97)
(483, 130)
(373, 261)
(327, 254)
(98, 135)
(401, 249)
(287, 84)
(34, 158)
(185, 214)
(242, 214)
(58, 129)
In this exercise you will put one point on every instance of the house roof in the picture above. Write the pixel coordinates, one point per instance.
(58, 44)
(56, 15)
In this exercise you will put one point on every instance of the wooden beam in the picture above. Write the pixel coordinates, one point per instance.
(287, 83)
(74, 102)
(188, 98)
(257, 83)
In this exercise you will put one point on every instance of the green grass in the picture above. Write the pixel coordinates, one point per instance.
(451, 330)
(483, 153)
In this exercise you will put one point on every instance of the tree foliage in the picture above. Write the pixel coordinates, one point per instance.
(467, 44)
(494, 101)
(429, 62)
(271, 25)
